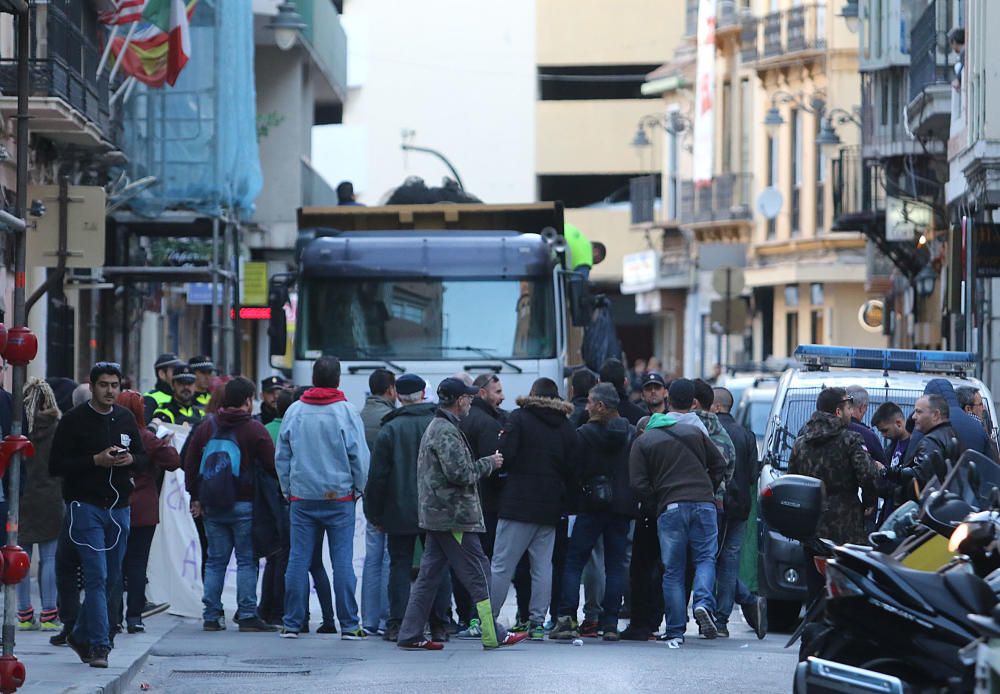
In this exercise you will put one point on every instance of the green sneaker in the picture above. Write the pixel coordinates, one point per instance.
(474, 631)
(520, 627)
(537, 632)
(28, 625)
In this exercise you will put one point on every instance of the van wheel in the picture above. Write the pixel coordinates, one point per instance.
(783, 615)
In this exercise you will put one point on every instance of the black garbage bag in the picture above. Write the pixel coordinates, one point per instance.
(600, 342)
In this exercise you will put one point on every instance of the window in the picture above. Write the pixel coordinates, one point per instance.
(816, 326)
(794, 197)
(791, 332)
(821, 166)
(745, 119)
(581, 82)
(727, 127)
(792, 295)
(426, 318)
(772, 179)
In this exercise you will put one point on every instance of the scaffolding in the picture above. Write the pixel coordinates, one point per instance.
(196, 141)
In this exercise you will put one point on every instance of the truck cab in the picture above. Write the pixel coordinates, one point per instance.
(433, 290)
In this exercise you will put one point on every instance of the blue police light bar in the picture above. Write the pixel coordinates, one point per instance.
(912, 360)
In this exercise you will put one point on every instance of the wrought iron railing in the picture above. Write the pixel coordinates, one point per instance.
(928, 59)
(727, 197)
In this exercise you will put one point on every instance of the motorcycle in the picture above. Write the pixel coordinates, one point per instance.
(878, 614)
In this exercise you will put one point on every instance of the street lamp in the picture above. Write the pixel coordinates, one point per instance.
(828, 139)
(286, 25)
(852, 16)
(674, 123)
(773, 121)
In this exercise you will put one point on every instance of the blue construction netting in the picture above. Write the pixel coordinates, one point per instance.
(199, 137)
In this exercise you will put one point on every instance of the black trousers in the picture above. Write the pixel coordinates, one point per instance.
(271, 607)
(134, 571)
(68, 577)
(401, 549)
(646, 576)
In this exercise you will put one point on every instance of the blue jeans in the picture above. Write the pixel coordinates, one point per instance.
(590, 526)
(46, 578)
(375, 580)
(337, 519)
(685, 526)
(729, 589)
(226, 531)
(100, 535)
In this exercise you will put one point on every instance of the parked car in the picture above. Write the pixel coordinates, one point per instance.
(754, 407)
(899, 376)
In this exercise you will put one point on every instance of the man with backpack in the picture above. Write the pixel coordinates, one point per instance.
(220, 467)
(729, 589)
(322, 463)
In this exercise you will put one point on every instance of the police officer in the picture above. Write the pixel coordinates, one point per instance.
(204, 369)
(182, 408)
(269, 389)
(161, 393)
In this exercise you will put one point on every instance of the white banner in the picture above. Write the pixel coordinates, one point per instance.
(704, 106)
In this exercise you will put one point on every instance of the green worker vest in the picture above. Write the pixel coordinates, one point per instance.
(581, 251)
(183, 414)
(201, 399)
(159, 397)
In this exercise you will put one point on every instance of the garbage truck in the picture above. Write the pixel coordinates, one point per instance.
(435, 290)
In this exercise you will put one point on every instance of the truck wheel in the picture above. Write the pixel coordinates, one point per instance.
(783, 615)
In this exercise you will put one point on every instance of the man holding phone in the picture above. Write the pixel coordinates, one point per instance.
(95, 449)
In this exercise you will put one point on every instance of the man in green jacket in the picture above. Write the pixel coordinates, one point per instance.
(391, 501)
(448, 508)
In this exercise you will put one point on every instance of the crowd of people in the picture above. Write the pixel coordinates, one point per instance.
(644, 504)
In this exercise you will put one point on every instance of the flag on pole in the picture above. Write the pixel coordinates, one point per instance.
(155, 54)
(171, 17)
(126, 12)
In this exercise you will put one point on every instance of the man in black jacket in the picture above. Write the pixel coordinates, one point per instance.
(729, 589)
(583, 380)
(931, 416)
(539, 446)
(607, 508)
(95, 448)
(391, 501)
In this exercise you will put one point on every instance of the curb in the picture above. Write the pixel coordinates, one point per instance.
(120, 682)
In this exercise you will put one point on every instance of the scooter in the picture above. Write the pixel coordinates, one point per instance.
(878, 614)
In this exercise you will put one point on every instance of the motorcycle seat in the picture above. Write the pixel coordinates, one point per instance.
(971, 591)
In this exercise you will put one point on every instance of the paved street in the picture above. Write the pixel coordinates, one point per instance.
(188, 660)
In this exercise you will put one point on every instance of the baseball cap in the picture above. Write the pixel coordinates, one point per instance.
(183, 374)
(653, 377)
(167, 359)
(408, 384)
(201, 363)
(273, 383)
(452, 389)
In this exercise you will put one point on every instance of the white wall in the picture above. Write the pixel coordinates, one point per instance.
(462, 75)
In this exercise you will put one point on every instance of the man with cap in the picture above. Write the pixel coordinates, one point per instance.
(391, 501)
(181, 408)
(161, 393)
(654, 393)
(203, 369)
(269, 389)
(449, 509)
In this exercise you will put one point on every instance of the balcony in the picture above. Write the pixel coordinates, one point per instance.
(728, 17)
(726, 199)
(326, 41)
(68, 102)
(783, 39)
(316, 192)
(858, 188)
(929, 110)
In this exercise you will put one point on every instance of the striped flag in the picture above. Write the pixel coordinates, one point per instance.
(171, 17)
(153, 56)
(126, 12)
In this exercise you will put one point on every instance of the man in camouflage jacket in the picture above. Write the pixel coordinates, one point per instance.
(827, 450)
(704, 396)
(448, 508)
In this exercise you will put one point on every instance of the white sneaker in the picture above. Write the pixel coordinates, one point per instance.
(674, 643)
(288, 633)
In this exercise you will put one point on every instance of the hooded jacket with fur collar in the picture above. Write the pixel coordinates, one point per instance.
(539, 446)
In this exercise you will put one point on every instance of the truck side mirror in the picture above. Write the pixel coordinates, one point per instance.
(277, 330)
(581, 305)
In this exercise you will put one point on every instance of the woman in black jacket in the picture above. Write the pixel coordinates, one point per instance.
(538, 447)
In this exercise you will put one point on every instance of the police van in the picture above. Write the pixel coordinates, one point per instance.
(899, 376)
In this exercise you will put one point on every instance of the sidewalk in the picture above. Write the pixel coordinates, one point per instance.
(57, 669)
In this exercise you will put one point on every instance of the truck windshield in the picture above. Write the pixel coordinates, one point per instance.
(426, 318)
